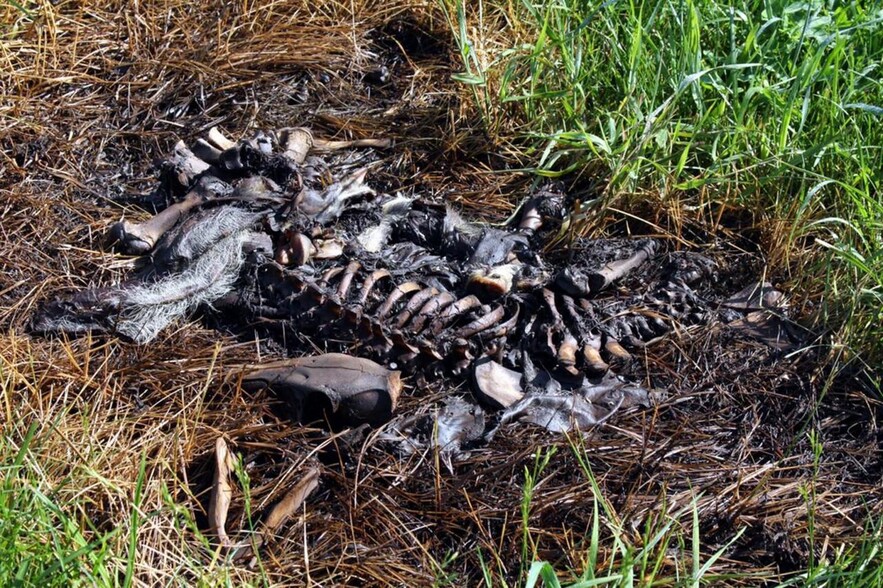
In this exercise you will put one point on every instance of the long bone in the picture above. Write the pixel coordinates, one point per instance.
(216, 138)
(296, 143)
(207, 152)
(615, 270)
(185, 165)
(326, 145)
(139, 238)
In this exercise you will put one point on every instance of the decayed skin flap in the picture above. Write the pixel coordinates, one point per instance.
(358, 390)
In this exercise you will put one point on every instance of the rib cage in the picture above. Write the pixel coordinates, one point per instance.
(414, 322)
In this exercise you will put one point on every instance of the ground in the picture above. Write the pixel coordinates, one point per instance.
(755, 461)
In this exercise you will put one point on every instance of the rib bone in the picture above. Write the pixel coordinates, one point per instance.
(401, 290)
(417, 301)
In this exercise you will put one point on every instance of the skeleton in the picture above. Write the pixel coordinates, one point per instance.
(267, 233)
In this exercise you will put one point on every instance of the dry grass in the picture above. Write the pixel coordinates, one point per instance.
(93, 92)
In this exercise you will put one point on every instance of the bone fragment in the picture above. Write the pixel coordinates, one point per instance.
(328, 248)
(617, 269)
(325, 145)
(222, 491)
(291, 502)
(137, 239)
(216, 138)
(358, 390)
(279, 514)
(297, 251)
(207, 152)
(496, 384)
(296, 143)
(186, 165)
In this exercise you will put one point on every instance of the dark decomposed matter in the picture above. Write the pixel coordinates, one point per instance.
(270, 237)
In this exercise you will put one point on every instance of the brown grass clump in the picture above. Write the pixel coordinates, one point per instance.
(94, 92)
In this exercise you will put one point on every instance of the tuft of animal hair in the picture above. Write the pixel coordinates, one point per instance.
(148, 308)
(196, 263)
(200, 232)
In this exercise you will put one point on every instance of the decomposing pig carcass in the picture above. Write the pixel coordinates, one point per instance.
(282, 235)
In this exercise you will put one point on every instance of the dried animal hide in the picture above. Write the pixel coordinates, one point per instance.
(197, 263)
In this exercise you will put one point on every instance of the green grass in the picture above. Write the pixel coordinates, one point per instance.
(703, 106)
(43, 540)
(667, 550)
(772, 106)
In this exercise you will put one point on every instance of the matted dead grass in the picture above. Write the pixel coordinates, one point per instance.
(94, 92)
